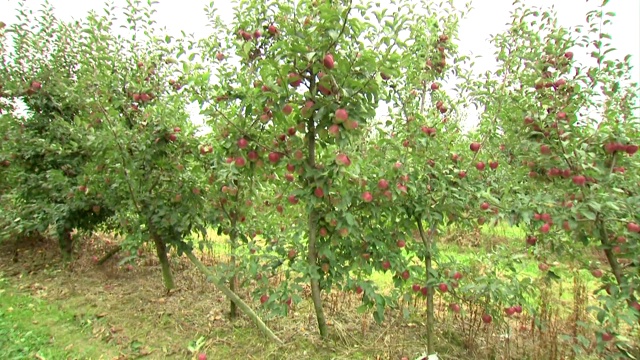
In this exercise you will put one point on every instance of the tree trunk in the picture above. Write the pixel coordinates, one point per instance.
(233, 310)
(426, 240)
(233, 297)
(161, 250)
(65, 242)
(316, 294)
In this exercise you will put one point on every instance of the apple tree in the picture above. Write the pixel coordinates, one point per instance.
(570, 128)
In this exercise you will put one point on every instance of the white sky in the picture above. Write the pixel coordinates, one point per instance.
(488, 17)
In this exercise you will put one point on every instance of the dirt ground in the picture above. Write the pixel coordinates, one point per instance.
(129, 311)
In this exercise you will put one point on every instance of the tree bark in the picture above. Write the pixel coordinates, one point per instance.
(65, 242)
(426, 240)
(316, 294)
(161, 250)
(233, 297)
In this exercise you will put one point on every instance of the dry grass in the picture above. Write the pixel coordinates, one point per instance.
(132, 313)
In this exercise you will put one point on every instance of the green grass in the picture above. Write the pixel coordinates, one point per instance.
(32, 328)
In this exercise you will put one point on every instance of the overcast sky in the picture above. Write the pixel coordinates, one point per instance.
(488, 17)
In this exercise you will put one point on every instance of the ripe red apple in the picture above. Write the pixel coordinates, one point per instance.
(202, 356)
(359, 290)
(568, 55)
(545, 228)
(415, 287)
(334, 130)
(323, 232)
(633, 227)
(510, 311)
(343, 159)
(475, 147)
(606, 336)
(545, 149)
(384, 76)
(366, 256)
(424, 291)
(318, 192)
(292, 199)
(480, 166)
(82, 188)
(341, 116)
(405, 275)
(295, 80)
(383, 184)
(435, 86)
(287, 109)
(291, 131)
(367, 197)
(274, 157)
(486, 318)
(173, 137)
(328, 61)
(401, 243)
(240, 162)
(443, 287)
(291, 168)
(597, 273)
(292, 254)
(272, 29)
(386, 265)
(462, 174)
(257, 34)
(95, 259)
(631, 149)
(457, 276)
(264, 299)
(279, 209)
(543, 267)
(252, 155)
(484, 206)
(493, 165)
(561, 115)
(455, 308)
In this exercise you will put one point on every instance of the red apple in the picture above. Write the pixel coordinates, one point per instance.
(318, 192)
(435, 86)
(343, 159)
(383, 184)
(475, 147)
(633, 227)
(292, 199)
(486, 318)
(287, 109)
(272, 29)
(202, 356)
(328, 61)
(484, 206)
(367, 197)
(386, 265)
(631, 149)
(405, 275)
(334, 130)
(359, 290)
(341, 116)
(443, 287)
(493, 164)
(415, 287)
(545, 228)
(295, 80)
(543, 267)
(264, 299)
(457, 276)
(480, 166)
(401, 243)
(597, 273)
(274, 157)
(510, 311)
(240, 162)
(455, 308)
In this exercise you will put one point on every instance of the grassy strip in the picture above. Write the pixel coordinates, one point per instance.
(31, 328)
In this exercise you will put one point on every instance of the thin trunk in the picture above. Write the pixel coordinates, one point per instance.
(611, 259)
(161, 250)
(316, 294)
(426, 240)
(233, 297)
(233, 310)
(65, 242)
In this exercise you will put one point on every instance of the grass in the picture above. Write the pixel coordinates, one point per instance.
(31, 328)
